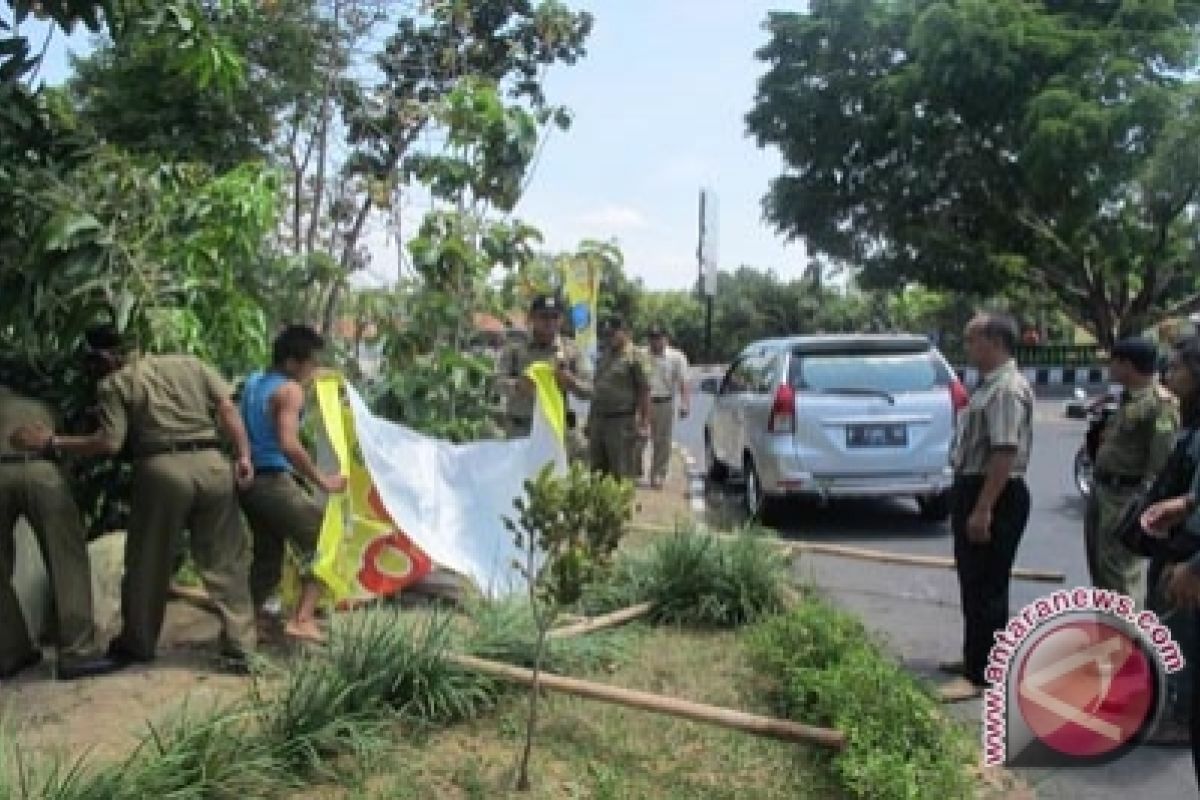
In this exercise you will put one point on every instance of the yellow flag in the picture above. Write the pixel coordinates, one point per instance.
(581, 284)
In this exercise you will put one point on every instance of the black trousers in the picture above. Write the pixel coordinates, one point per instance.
(1193, 654)
(984, 569)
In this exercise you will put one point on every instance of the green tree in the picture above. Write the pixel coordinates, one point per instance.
(981, 144)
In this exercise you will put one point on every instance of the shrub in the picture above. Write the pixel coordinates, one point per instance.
(700, 579)
(824, 669)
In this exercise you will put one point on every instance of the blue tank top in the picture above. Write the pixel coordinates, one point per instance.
(265, 451)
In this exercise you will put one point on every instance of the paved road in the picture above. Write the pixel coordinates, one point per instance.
(916, 610)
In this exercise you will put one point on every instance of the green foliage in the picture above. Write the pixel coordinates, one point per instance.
(824, 670)
(572, 525)
(134, 95)
(505, 630)
(401, 665)
(696, 578)
(974, 146)
(568, 527)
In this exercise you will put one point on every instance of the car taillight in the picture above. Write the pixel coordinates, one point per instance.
(783, 411)
(958, 395)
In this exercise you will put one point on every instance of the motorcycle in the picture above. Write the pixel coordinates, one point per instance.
(1097, 411)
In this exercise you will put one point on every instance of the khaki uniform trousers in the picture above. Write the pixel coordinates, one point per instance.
(1110, 564)
(662, 423)
(279, 511)
(173, 491)
(38, 491)
(612, 445)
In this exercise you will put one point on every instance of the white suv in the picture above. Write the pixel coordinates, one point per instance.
(837, 416)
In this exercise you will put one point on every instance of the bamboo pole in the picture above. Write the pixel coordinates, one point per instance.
(880, 556)
(784, 730)
(611, 620)
(885, 557)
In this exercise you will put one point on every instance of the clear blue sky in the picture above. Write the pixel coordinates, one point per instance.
(658, 103)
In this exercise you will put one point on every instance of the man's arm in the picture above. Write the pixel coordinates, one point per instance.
(105, 441)
(286, 405)
(1163, 426)
(1005, 418)
(230, 421)
(641, 387)
(576, 379)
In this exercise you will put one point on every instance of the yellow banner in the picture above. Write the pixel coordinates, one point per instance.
(581, 285)
(361, 553)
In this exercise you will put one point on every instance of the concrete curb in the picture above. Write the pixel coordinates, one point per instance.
(695, 480)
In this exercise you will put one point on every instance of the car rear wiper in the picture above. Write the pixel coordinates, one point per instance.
(859, 391)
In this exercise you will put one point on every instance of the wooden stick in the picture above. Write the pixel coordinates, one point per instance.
(611, 620)
(194, 596)
(885, 557)
(785, 730)
(881, 556)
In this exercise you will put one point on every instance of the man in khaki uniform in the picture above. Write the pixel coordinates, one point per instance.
(620, 410)
(546, 344)
(990, 505)
(166, 410)
(33, 486)
(1137, 440)
(668, 370)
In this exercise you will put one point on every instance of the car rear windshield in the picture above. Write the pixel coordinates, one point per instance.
(906, 372)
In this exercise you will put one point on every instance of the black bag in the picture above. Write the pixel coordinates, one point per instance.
(1173, 480)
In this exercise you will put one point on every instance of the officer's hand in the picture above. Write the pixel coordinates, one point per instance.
(1161, 517)
(1183, 587)
(243, 472)
(979, 526)
(335, 484)
(565, 379)
(31, 436)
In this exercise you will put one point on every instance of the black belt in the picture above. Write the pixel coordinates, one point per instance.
(616, 414)
(666, 399)
(1113, 480)
(22, 458)
(188, 446)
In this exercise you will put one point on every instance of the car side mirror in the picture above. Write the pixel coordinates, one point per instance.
(710, 385)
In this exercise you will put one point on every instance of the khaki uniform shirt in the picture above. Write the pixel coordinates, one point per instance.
(17, 410)
(668, 372)
(620, 377)
(516, 358)
(1140, 435)
(159, 400)
(1000, 415)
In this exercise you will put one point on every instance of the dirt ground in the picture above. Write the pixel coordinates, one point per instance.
(106, 717)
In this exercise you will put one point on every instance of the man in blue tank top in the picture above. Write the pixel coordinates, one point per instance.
(277, 507)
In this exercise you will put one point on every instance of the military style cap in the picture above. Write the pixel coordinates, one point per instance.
(1138, 351)
(546, 304)
(102, 337)
(656, 330)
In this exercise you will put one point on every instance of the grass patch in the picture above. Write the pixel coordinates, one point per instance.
(697, 578)
(820, 666)
(599, 751)
(504, 630)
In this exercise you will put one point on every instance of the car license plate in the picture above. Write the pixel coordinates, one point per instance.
(894, 435)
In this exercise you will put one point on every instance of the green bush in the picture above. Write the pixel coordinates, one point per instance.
(504, 630)
(699, 579)
(823, 669)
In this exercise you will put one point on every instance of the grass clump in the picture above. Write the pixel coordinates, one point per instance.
(401, 664)
(504, 630)
(823, 669)
(697, 578)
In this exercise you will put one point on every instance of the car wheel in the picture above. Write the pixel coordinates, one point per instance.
(759, 505)
(716, 471)
(936, 508)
